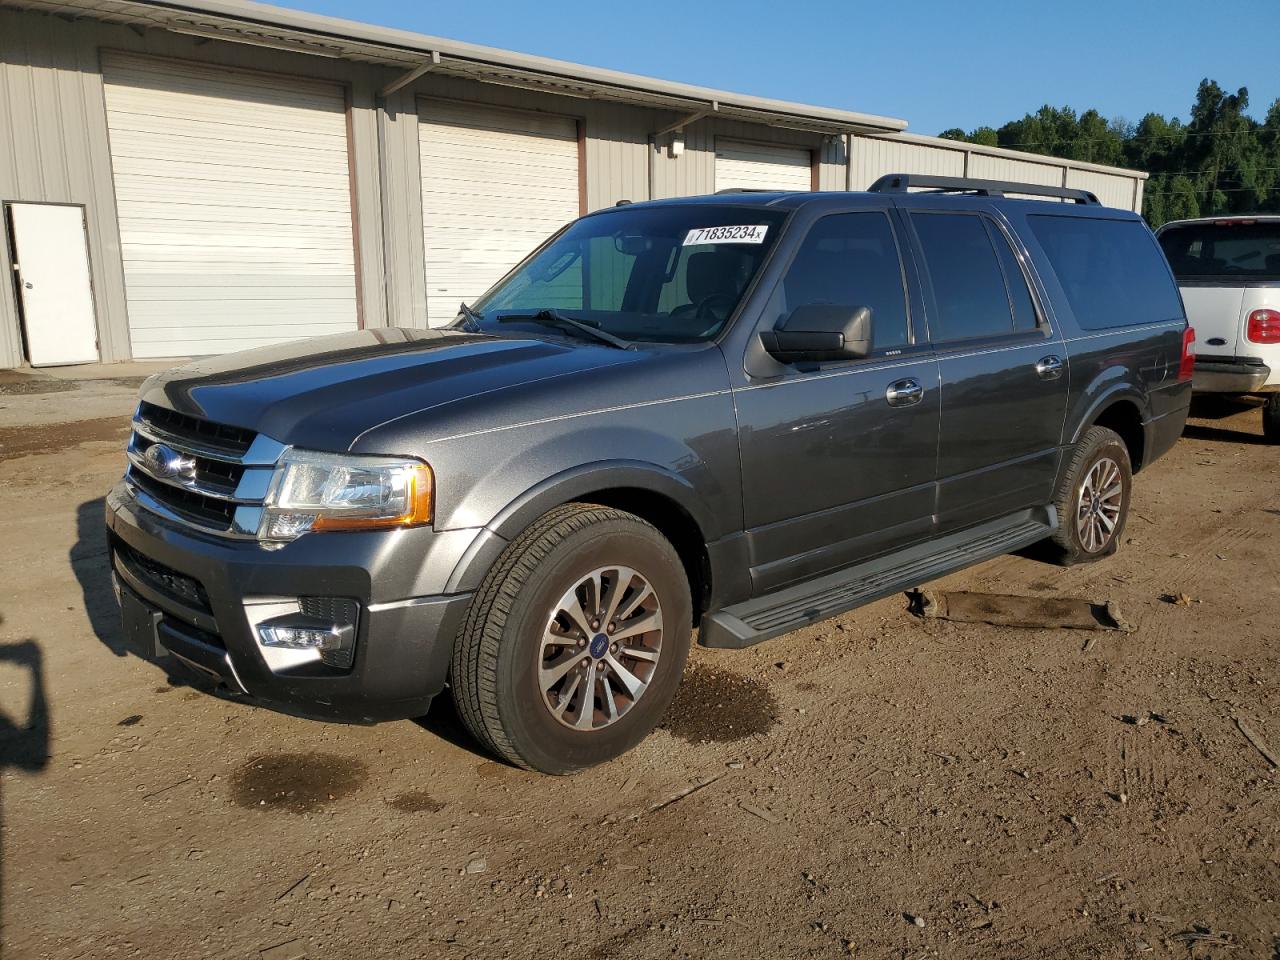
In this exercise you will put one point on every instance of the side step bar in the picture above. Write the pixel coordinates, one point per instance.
(762, 618)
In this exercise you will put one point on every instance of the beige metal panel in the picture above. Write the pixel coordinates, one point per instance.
(402, 238)
(496, 182)
(873, 157)
(54, 144)
(1021, 171)
(833, 168)
(692, 173)
(1112, 191)
(53, 149)
(757, 166)
(231, 181)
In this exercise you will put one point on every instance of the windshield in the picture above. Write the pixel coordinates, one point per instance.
(1224, 250)
(660, 274)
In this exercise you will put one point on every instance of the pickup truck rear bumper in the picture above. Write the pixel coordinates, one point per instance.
(189, 597)
(1231, 375)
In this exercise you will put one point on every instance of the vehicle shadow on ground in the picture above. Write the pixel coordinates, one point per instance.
(91, 564)
(1196, 432)
(442, 721)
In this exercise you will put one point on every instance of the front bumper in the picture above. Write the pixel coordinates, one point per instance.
(404, 637)
(1231, 375)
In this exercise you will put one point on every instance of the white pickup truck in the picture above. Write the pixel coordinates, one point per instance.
(1228, 269)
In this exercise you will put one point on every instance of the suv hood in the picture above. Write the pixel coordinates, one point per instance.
(323, 393)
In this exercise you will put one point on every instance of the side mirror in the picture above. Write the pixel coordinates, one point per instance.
(820, 331)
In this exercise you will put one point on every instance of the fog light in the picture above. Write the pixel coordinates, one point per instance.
(301, 638)
(300, 632)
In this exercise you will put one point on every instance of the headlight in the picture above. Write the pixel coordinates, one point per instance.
(333, 491)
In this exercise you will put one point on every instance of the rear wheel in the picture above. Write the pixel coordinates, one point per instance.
(575, 644)
(1093, 499)
(1271, 418)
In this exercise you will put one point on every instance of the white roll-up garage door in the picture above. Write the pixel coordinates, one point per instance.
(757, 166)
(495, 184)
(234, 199)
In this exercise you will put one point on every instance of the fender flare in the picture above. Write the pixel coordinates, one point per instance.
(1116, 391)
(563, 487)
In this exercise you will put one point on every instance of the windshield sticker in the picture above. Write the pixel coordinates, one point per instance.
(730, 234)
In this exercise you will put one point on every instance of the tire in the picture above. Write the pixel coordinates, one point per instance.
(1083, 535)
(1271, 418)
(502, 659)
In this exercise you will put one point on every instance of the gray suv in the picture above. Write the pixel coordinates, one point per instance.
(741, 413)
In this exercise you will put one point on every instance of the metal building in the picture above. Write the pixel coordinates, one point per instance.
(194, 177)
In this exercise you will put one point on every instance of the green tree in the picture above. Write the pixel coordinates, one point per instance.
(1220, 161)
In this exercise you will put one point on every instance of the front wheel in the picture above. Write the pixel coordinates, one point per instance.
(1093, 499)
(1271, 418)
(575, 643)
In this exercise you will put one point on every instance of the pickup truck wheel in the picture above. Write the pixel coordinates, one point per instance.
(1271, 418)
(1093, 499)
(575, 643)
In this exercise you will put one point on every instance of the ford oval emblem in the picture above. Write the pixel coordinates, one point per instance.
(166, 463)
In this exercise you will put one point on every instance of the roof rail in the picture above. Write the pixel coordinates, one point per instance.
(750, 190)
(902, 182)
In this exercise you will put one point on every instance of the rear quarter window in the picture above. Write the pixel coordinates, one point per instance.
(1112, 271)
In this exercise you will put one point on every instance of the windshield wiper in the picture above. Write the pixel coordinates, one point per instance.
(473, 316)
(550, 317)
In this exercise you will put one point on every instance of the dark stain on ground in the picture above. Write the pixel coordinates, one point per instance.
(31, 386)
(717, 706)
(416, 801)
(129, 721)
(58, 437)
(295, 782)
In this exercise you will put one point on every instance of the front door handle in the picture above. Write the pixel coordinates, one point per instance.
(1049, 368)
(903, 393)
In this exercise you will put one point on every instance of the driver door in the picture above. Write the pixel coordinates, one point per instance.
(839, 459)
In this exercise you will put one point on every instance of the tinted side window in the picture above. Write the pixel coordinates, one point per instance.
(851, 259)
(1111, 270)
(1024, 311)
(968, 284)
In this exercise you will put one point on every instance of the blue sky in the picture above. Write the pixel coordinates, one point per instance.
(922, 60)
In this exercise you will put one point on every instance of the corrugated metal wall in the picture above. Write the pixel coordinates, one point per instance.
(54, 147)
(874, 156)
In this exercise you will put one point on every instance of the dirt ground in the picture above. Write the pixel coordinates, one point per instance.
(874, 786)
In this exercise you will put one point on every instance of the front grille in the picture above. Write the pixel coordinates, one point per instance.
(166, 580)
(235, 441)
(204, 473)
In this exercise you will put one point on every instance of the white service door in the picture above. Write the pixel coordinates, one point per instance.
(495, 184)
(756, 166)
(53, 278)
(234, 199)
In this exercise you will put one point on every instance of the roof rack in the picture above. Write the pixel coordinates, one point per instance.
(902, 182)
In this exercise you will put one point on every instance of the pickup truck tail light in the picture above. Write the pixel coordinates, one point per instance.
(1263, 327)
(1188, 363)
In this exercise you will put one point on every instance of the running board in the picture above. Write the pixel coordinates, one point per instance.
(763, 618)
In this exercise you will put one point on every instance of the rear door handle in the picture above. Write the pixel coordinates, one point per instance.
(1049, 368)
(904, 393)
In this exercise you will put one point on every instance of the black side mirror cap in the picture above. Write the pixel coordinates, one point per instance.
(818, 332)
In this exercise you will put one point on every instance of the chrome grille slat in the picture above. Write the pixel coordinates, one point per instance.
(192, 486)
(220, 489)
(155, 434)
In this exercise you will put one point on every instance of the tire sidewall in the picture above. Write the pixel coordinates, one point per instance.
(546, 743)
(1110, 446)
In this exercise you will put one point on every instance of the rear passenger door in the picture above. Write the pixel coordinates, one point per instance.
(1003, 370)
